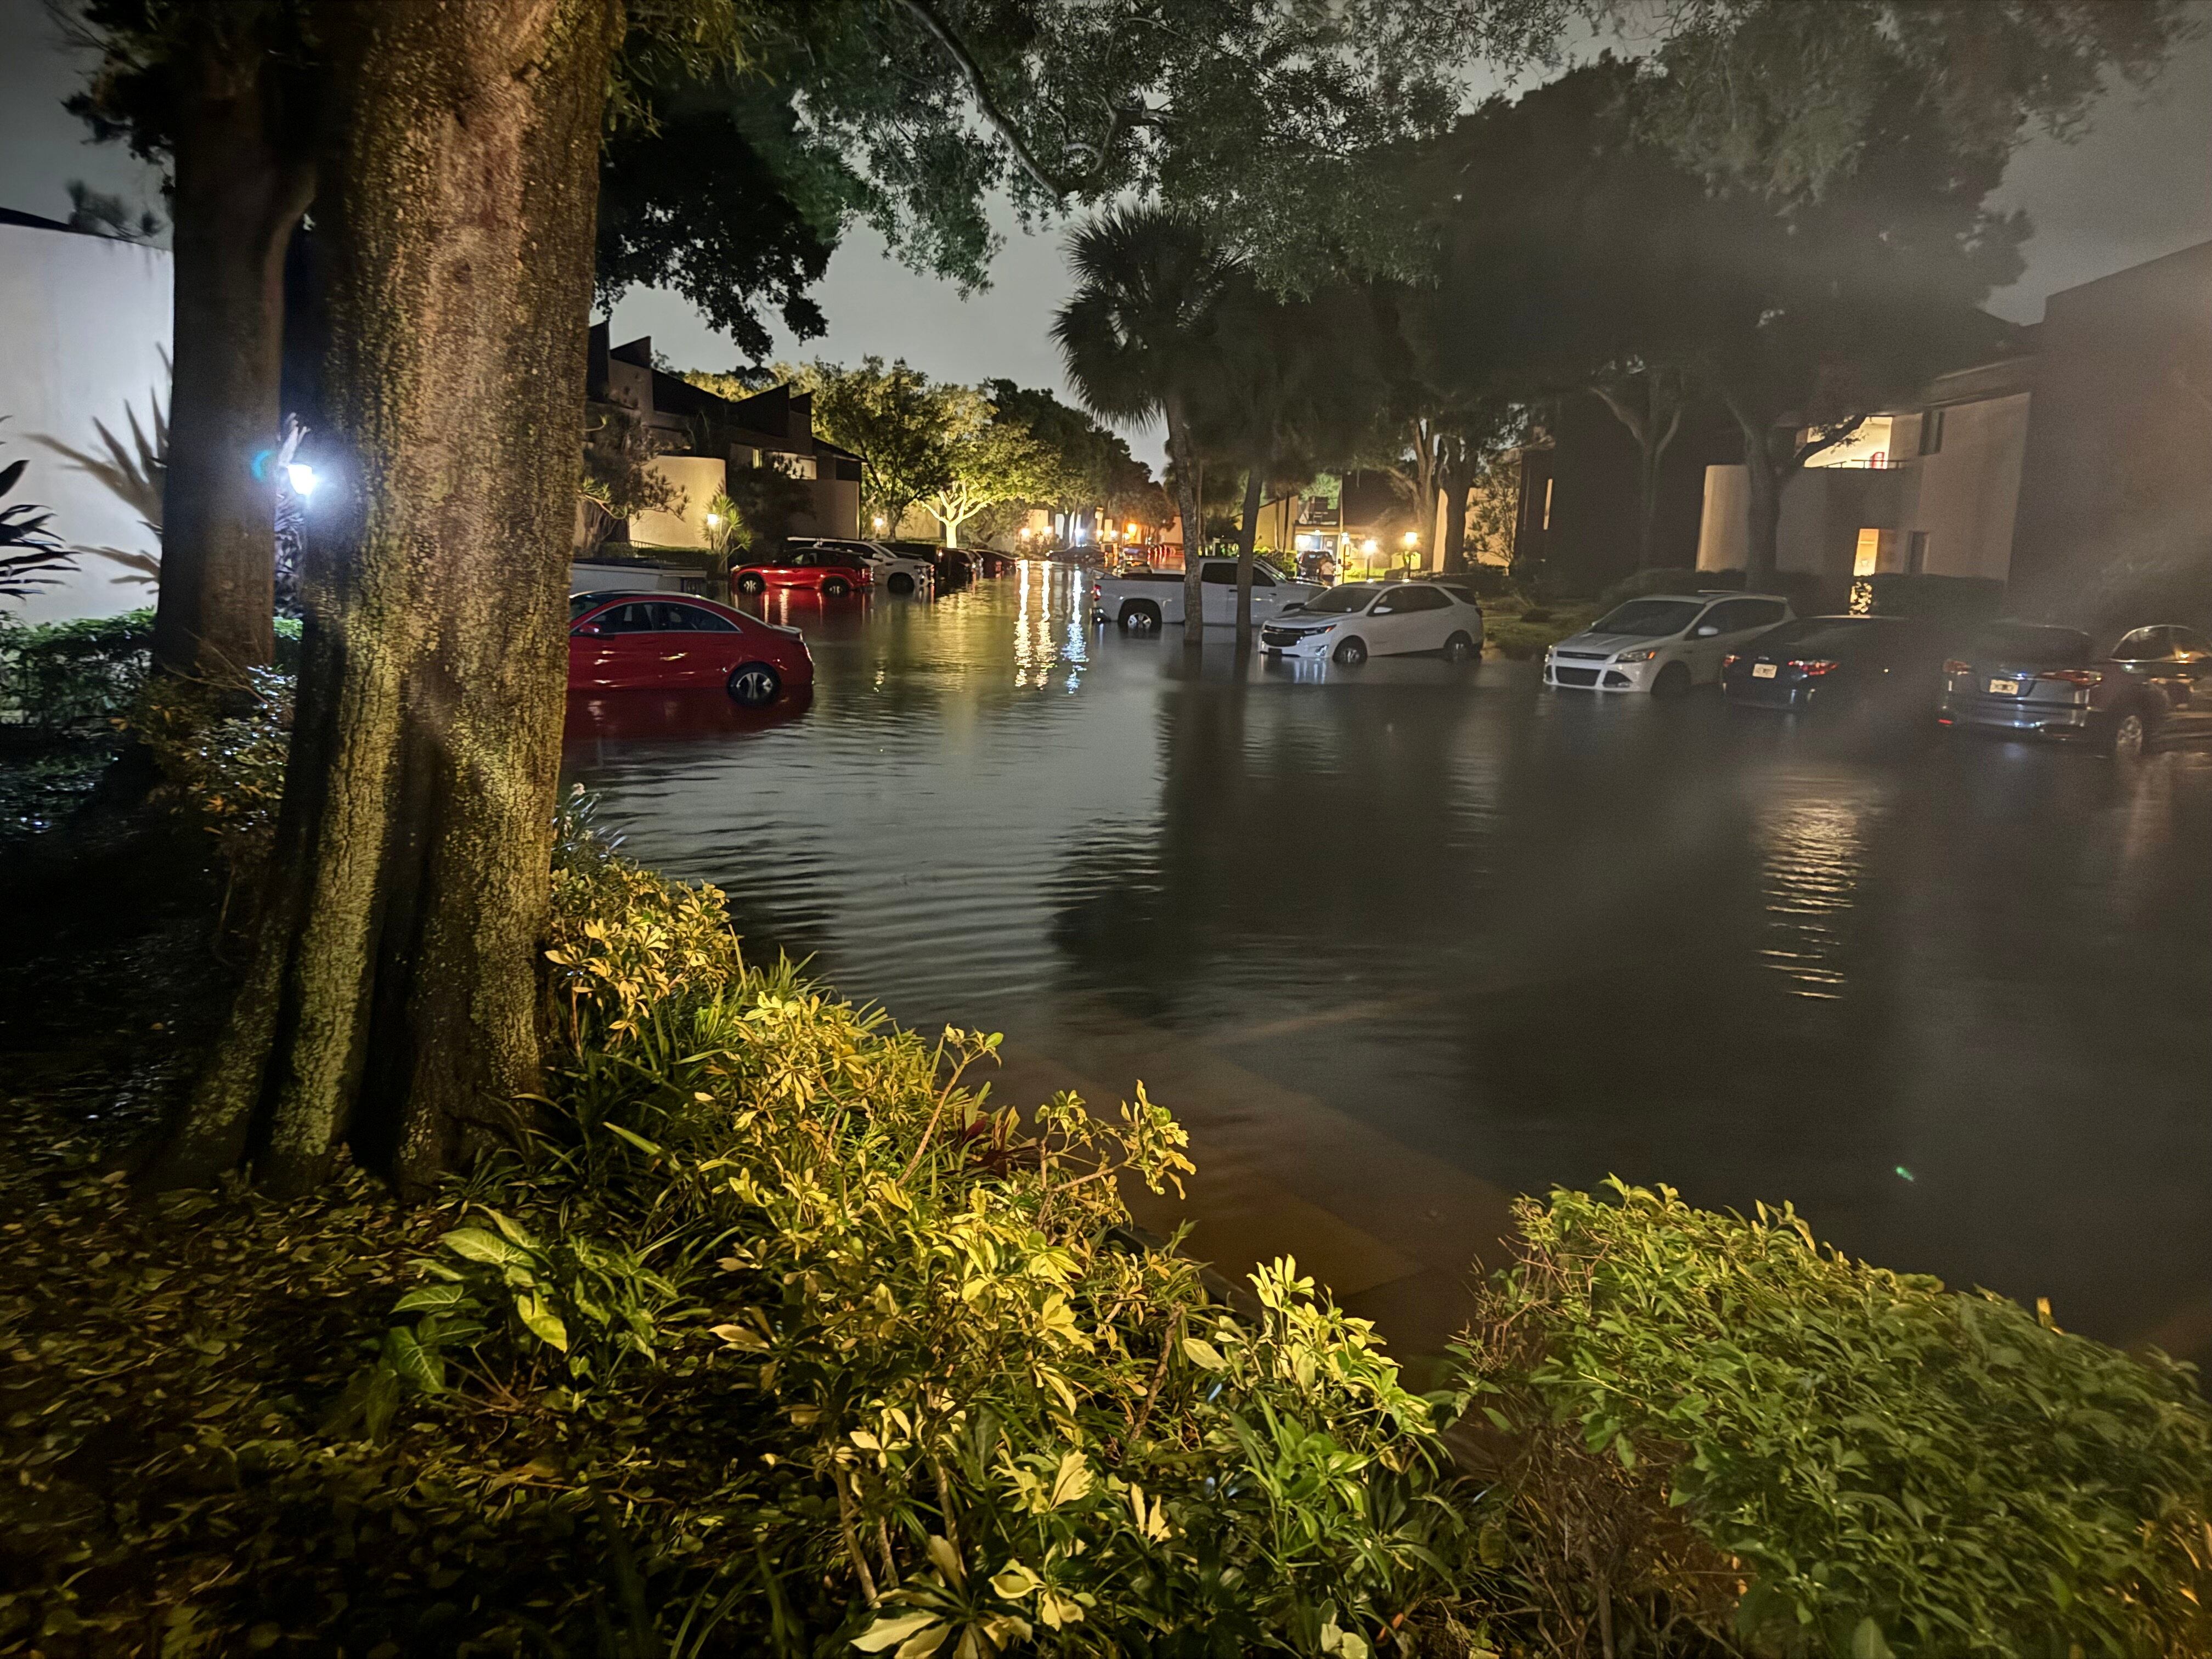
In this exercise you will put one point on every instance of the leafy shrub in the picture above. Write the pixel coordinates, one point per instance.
(1703, 1402)
(74, 678)
(222, 751)
(1959, 600)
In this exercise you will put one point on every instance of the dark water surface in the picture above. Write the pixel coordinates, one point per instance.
(1400, 942)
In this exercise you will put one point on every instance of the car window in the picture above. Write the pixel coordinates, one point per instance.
(580, 603)
(1836, 636)
(626, 619)
(1216, 575)
(1414, 598)
(1649, 618)
(1462, 596)
(2024, 644)
(1740, 615)
(1261, 579)
(1340, 601)
(2144, 644)
(2191, 643)
(698, 619)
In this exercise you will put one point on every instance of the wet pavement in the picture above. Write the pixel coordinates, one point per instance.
(1397, 943)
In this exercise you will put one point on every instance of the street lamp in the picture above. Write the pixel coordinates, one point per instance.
(879, 523)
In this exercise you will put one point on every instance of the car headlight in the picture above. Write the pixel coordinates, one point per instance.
(1636, 656)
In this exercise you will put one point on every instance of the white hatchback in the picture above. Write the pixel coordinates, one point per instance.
(1663, 643)
(1347, 625)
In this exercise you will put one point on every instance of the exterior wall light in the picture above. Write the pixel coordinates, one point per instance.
(301, 478)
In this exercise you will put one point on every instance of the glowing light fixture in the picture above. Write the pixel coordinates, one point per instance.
(301, 478)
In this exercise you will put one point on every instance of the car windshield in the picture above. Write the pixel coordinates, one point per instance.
(1649, 618)
(2024, 644)
(1342, 601)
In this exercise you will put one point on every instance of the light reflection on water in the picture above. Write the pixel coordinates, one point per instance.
(1398, 942)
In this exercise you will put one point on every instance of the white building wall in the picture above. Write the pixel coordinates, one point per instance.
(1725, 531)
(1968, 491)
(701, 477)
(84, 351)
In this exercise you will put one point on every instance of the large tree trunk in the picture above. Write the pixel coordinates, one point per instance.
(1248, 536)
(1653, 426)
(238, 198)
(1764, 481)
(1457, 487)
(1182, 455)
(391, 1005)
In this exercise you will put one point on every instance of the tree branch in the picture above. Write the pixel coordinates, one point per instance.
(979, 89)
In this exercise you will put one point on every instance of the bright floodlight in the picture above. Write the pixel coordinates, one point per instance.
(301, 477)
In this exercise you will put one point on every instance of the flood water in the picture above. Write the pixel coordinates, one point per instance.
(1400, 942)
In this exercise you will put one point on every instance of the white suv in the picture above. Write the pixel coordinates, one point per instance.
(1662, 643)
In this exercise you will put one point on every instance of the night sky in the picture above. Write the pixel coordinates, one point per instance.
(2137, 185)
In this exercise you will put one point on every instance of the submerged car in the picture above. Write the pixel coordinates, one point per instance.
(894, 572)
(663, 643)
(1894, 663)
(2029, 678)
(831, 572)
(1347, 625)
(1663, 643)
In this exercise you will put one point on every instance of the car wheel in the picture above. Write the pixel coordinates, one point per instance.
(1141, 617)
(751, 585)
(1460, 648)
(1673, 681)
(835, 589)
(754, 685)
(900, 582)
(2127, 736)
(1351, 654)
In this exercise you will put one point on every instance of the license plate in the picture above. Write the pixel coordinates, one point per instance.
(1763, 671)
(2004, 688)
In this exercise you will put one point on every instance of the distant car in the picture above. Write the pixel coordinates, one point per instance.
(894, 572)
(831, 572)
(1664, 643)
(1836, 662)
(656, 641)
(1142, 602)
(955, 566)
(2026, 677)
(1347, 625)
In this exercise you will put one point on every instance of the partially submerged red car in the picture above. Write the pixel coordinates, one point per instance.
(672, 641)
(831, 572)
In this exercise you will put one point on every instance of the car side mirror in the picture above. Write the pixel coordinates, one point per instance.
(589, 631)
(1711, 630)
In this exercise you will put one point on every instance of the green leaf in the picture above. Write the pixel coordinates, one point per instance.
(541, 1321)
(475, 1244)
(413, 1363)
(636, 1140)
(889, 1631)
(434, 1298)
(1203, 1354)
(1867, 1641)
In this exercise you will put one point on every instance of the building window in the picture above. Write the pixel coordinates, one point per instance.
(1916, 553)
(1931, 431)
(1865, 559)
(1546, 524)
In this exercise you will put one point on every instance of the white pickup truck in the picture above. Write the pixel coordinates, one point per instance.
(1140, 603)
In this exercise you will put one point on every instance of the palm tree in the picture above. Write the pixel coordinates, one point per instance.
(1138, 340)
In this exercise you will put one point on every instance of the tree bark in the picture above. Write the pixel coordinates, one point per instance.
(1182, 452)
(1248, 535)
(389, 1007)
(1457, 489)
(1763, 492)
(238, 198)
(1653, 427)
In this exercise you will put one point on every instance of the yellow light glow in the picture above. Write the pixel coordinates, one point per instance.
(1412, 538)
(1368, 546)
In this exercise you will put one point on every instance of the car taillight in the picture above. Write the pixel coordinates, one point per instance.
(1815, 667)
(1954, 666)
(1730, 660)
(2073, 676)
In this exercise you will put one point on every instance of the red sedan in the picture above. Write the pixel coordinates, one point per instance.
(666, 641)
(830, 571)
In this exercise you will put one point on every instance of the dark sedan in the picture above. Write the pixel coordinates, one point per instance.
(2026, 678)
(1836, 662)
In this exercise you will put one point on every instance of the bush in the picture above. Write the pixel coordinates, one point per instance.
(74, 679)
(1956, 599)
(772, 1336)
(1706, 1404)
(77, 679)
